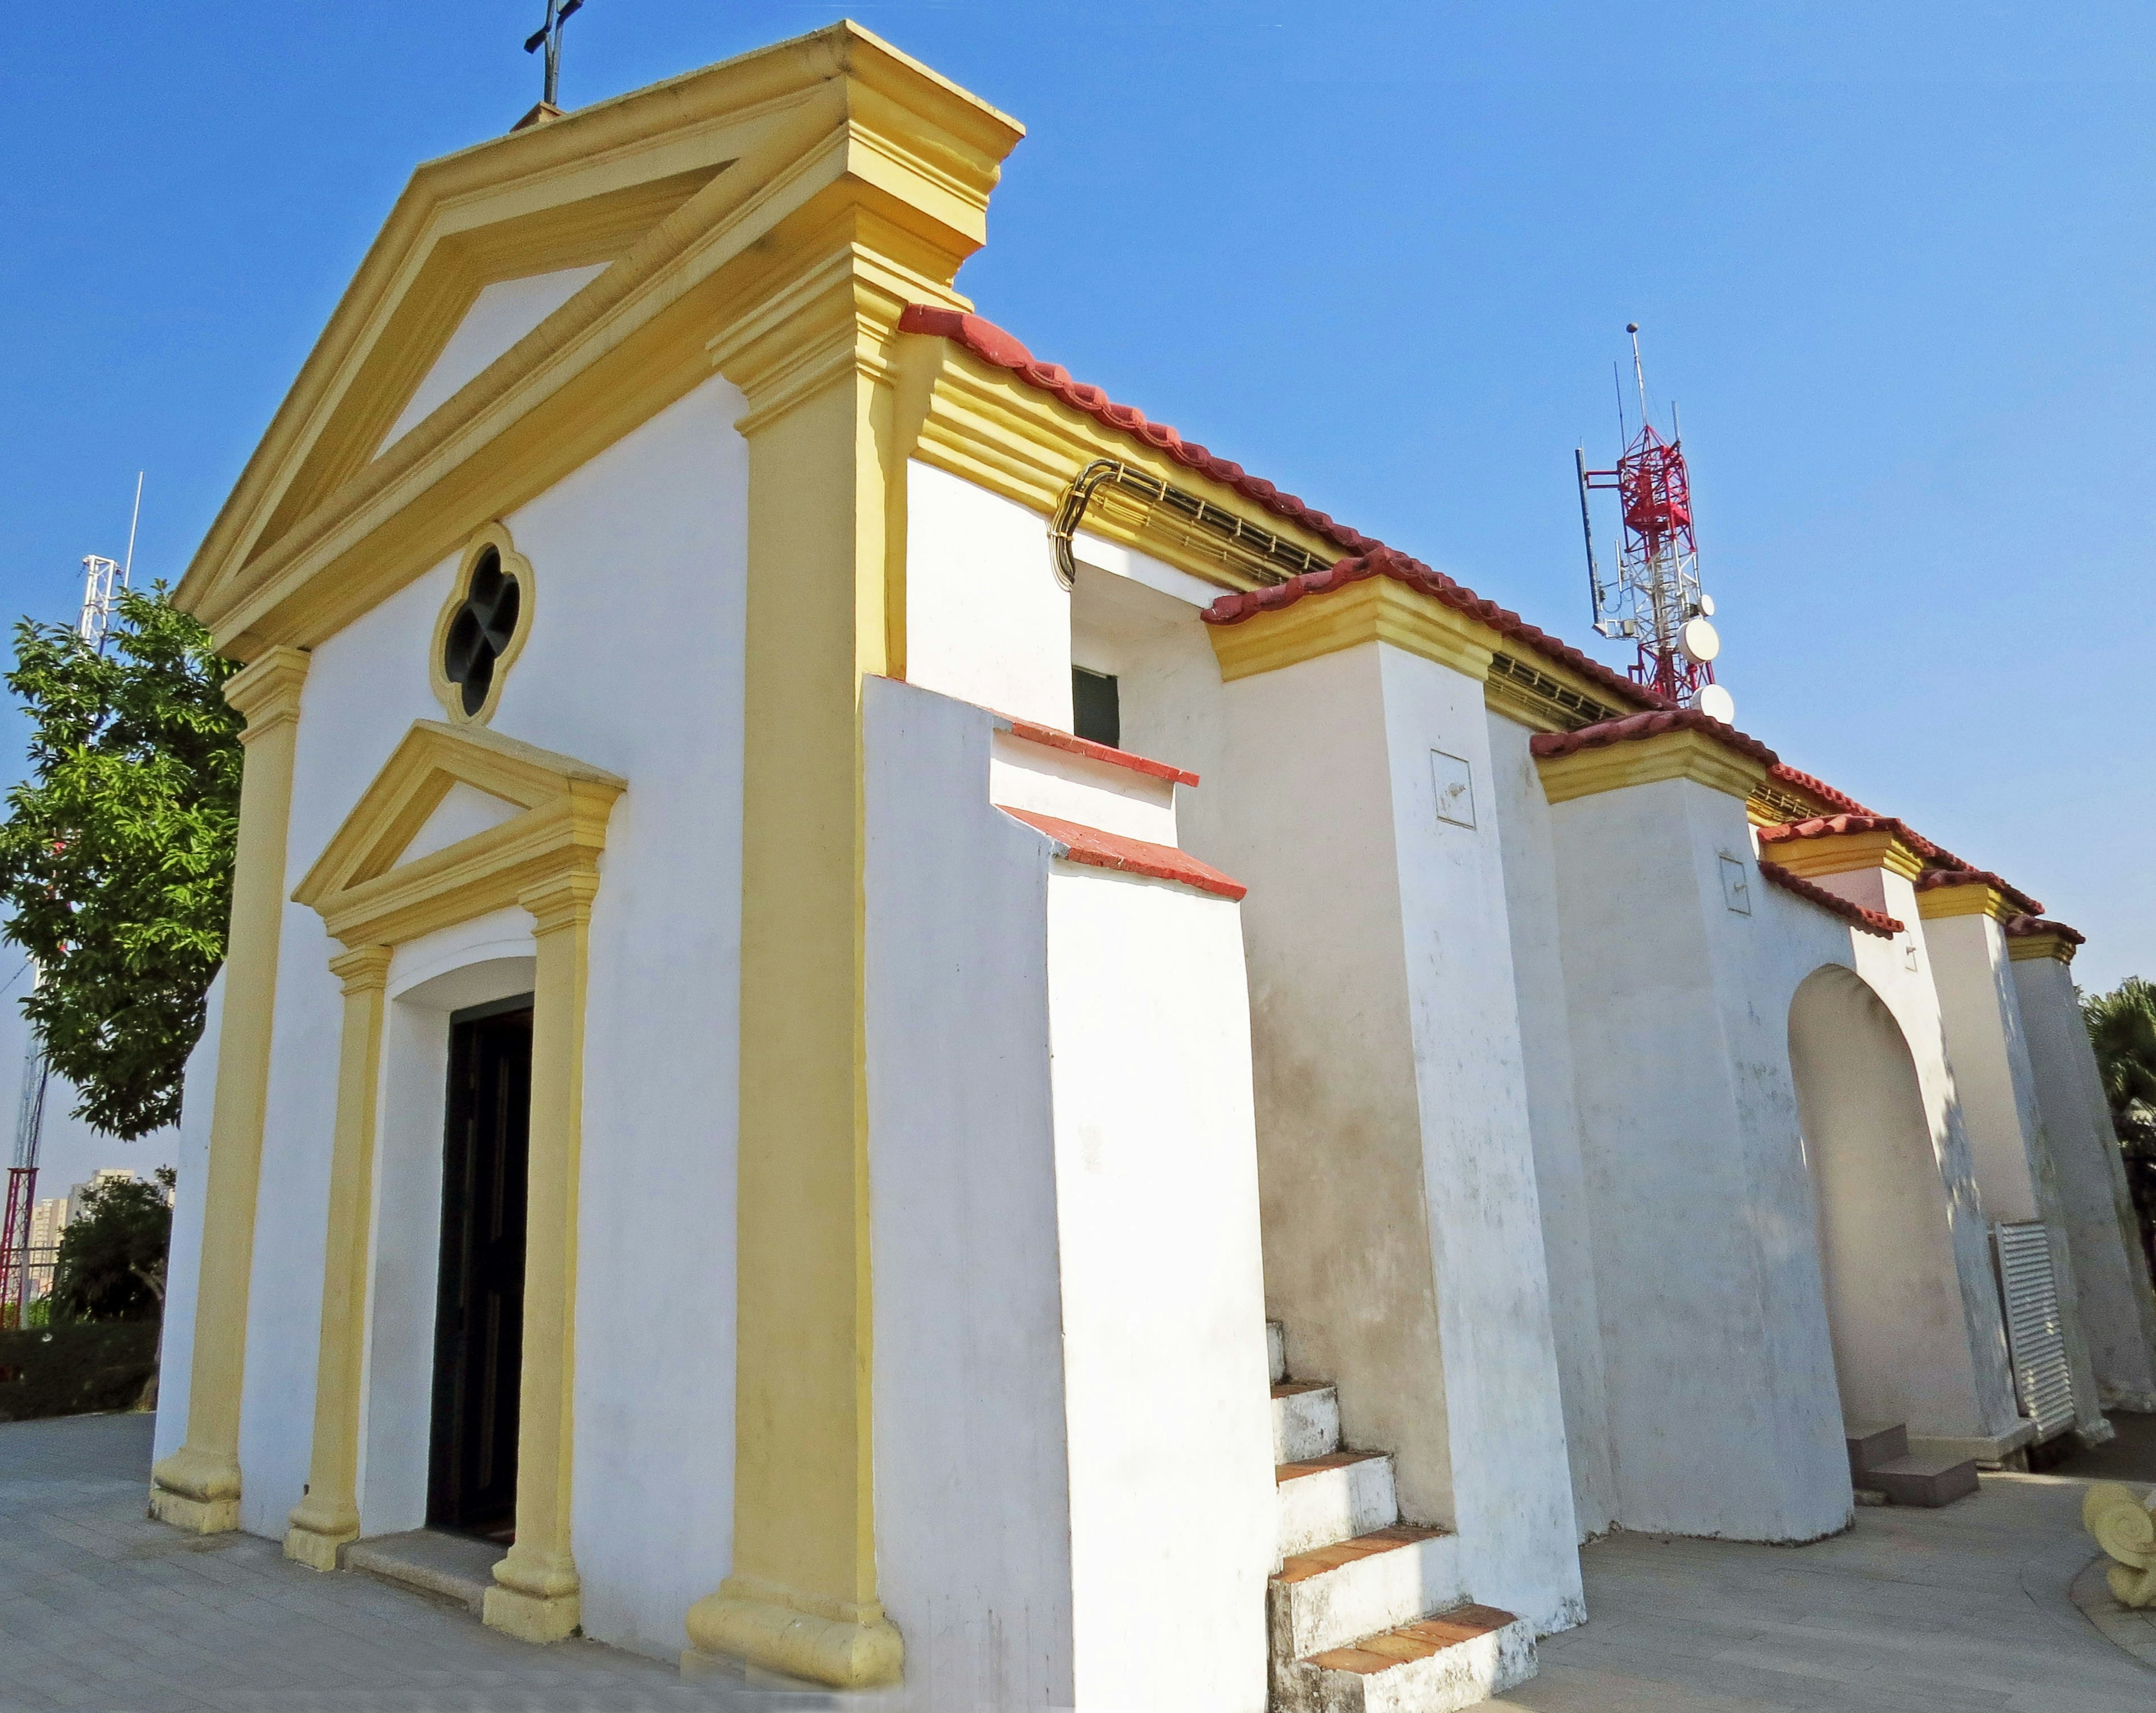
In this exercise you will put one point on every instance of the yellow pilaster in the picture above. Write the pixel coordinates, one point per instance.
(328, 1515)
(538, 1595)
(801, 1598)
(197, 1487)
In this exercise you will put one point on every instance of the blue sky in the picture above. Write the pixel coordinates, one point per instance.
(1893, 262)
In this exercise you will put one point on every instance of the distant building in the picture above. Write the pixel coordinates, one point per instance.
(104, 1175)
(49, 1218)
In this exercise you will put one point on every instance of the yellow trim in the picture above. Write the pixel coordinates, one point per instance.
(197, 1487)
(365, 896)
(1543, 695)
(834, 125)
(514, 564)
(2020, 947)
(328, 1515)
(1775, 804)
(538, 1595)
(983, 425)
(545, 859)
(1377, 609)
(1973, 900)
(1681, 754)
(1844, 853)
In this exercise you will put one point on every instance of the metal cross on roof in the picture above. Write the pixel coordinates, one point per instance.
(548, 35)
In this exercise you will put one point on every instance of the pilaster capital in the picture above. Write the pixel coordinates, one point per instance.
(1670, 745)
(362, 968)
(266, 690)
(561, 900)
(1843, 844)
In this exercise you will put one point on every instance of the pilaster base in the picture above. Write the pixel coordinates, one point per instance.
(198, 1516)
(533, 1617)
(798, 1635)
(316, 1549)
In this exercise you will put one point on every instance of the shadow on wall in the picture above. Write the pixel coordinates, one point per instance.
(1886, 1235)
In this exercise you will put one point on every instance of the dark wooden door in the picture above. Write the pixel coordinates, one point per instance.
(478, 1314)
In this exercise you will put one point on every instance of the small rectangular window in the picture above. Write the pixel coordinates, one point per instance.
(1095, 716)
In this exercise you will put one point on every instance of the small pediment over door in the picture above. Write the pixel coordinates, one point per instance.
(458, 820)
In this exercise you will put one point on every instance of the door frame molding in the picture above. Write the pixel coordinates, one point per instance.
(546, 860)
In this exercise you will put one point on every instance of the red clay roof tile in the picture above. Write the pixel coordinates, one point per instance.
(1132, 856)
(1932, 879)
(2024, 925)
(1546, 745)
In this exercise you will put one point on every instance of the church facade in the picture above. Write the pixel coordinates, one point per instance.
(887, 1026)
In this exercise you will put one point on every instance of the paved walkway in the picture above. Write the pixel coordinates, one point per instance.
(1915, 1612)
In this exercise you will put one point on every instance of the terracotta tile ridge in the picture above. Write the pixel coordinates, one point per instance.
(1832, 826)
(1869, 921)
(1943, 859)
(1102, 850)
(1055, 739)
(1932, 879)
(1546, 745)
(992, 345)
(1389, 561)
(1783, 772)
(2029, 923)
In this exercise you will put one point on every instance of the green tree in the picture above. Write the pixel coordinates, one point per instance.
(111, 1264)
(2122, 1026)
(116, 856)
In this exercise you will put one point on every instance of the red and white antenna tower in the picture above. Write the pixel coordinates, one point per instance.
(1656, 601)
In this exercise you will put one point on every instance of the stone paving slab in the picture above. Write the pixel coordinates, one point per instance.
(1962, 1610)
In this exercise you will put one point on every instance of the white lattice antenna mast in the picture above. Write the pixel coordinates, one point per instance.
(104, 579)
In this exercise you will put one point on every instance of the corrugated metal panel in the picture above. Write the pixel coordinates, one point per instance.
(2035, 1333)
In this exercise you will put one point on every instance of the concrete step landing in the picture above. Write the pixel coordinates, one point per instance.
(1456, 1659)
(450, 1566)
(1880, 1461)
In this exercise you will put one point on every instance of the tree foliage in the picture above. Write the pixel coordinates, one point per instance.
(2122, 1026)
(116, 857)
(111, 1264)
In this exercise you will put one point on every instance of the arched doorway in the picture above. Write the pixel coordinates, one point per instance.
(1886, 1252)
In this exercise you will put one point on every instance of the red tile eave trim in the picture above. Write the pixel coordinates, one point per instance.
(1055, 739)
(2021, 926)
(1867, 921)
(1787, 775)
(1101, 849)
(1832, 826)
(991, 344)
(1548, 745)
(1932, 879)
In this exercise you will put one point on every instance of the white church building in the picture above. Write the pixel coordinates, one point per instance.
(829, 1080)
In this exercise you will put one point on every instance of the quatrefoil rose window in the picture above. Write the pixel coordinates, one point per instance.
(482, 627)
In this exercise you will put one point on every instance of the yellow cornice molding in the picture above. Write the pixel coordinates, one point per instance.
(365, 896)
(626, 346)
(1846, 853)
(2022, 947)
(1683, 753)
(984, 425)
(1377, 609)
(1975, 899)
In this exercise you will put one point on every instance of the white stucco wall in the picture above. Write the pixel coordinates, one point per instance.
(183, 1260)
(986, 620)
(1562, 1192)
(1722, 1412)
(1074, 1482)
(1980, 1012)
(501, 313)
(2110, 1270)
(634, 664)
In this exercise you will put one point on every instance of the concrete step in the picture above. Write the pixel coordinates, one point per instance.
(1276, 1350)
(1333, 1498)
(1869, 1446)
(1457, 1659)
(1332, 1596)
(451, 1566)
(1927, 1481)
(1306, 1420)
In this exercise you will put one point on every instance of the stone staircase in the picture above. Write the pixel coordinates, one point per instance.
(1880, 1461)
(1366, 1613)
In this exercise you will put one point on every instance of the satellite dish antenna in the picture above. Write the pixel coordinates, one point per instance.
(1716, 703)
(1707, 605)
(1699, 640)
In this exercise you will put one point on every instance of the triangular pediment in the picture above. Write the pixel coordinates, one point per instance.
(482, 795)
(697, 199)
